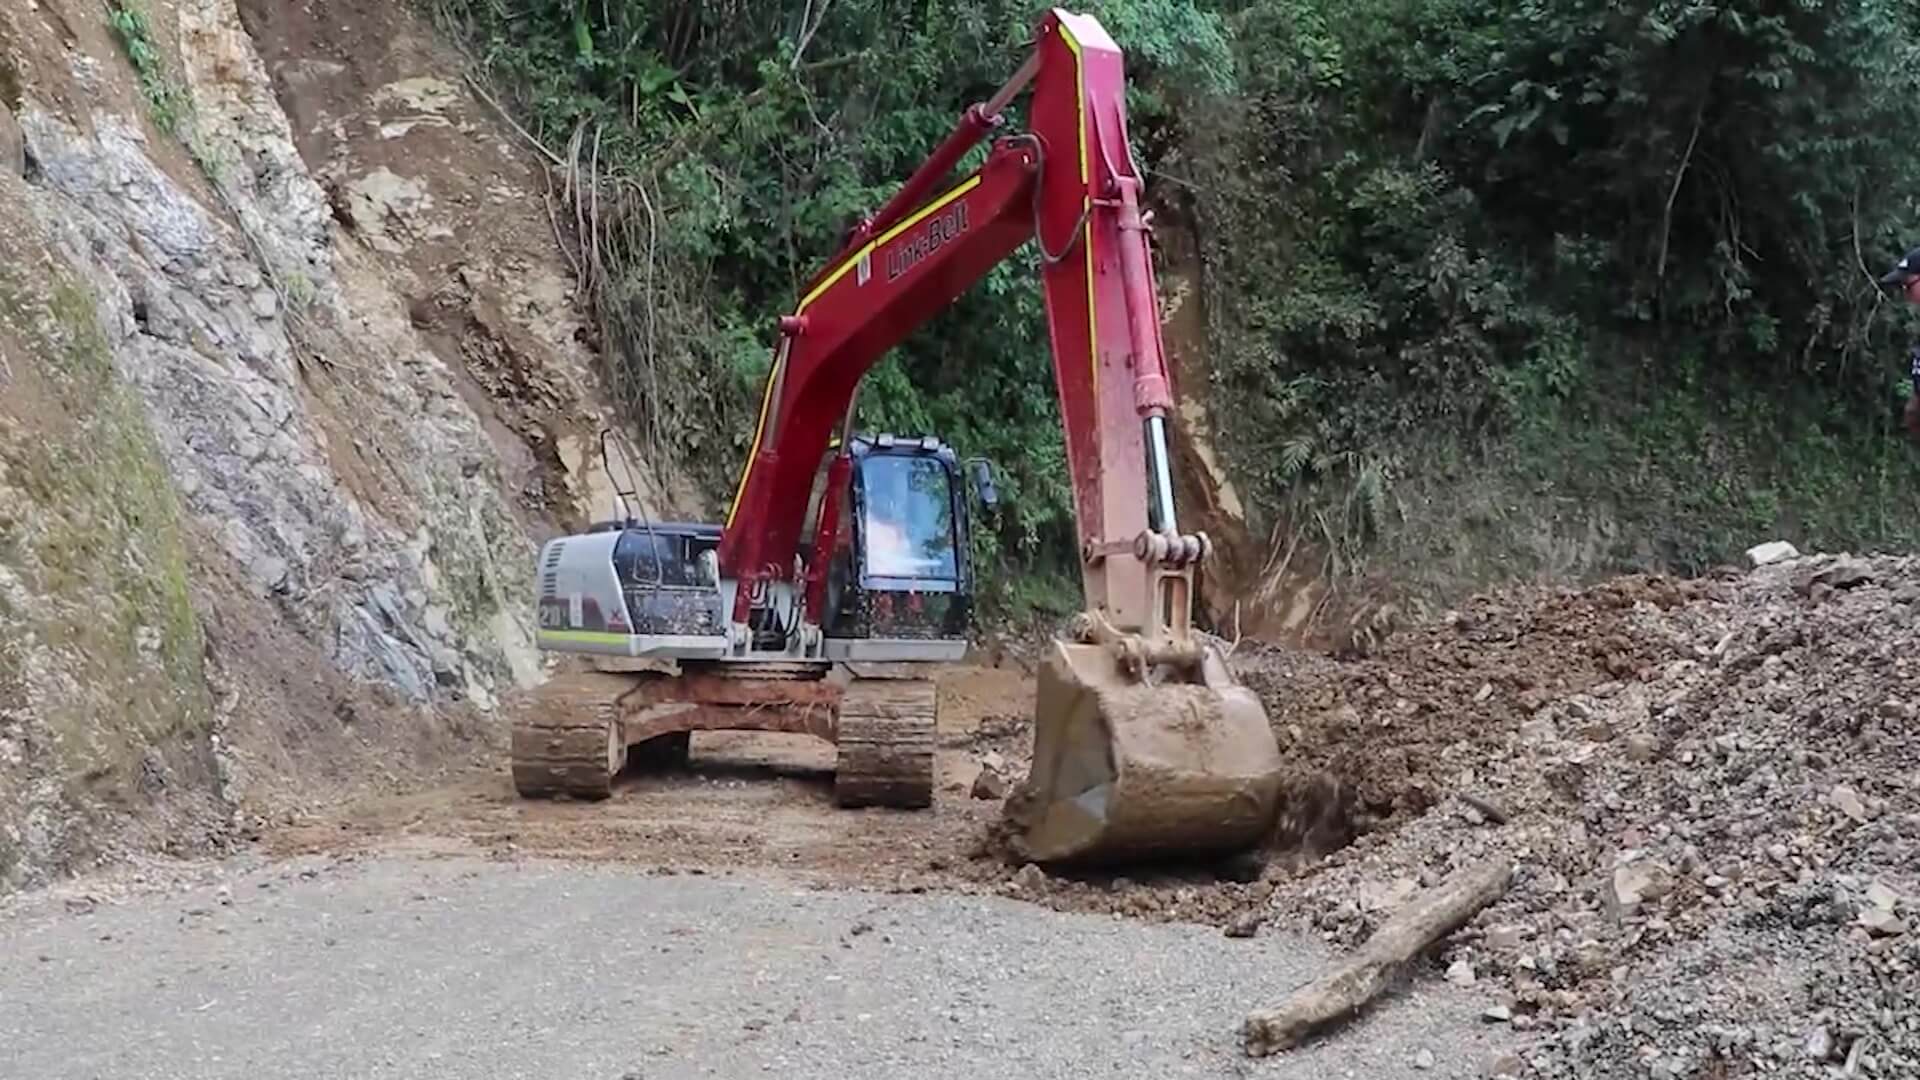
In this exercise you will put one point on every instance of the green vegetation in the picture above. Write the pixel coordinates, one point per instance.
(101, 549)
(1573, 266)
(1493, 288)
(167, 99)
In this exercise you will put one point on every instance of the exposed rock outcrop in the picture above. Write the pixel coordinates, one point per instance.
(334, 390)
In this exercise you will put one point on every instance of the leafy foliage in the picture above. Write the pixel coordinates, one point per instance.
(167, 100)
(1623, 247)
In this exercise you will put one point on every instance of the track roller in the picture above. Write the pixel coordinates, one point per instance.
(569, 741)
(886, 739)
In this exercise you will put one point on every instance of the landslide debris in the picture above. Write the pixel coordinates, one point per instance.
(1712, 788)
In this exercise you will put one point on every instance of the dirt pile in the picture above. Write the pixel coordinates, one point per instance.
(1712, 789)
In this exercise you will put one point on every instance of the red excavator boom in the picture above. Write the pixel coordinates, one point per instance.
(1071, 183)
(1143, 744)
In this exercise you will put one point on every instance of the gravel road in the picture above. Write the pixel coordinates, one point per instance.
(404, 967)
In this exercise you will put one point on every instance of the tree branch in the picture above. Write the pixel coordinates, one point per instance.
(1673, 193)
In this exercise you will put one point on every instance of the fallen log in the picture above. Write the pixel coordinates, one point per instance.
(1344, 991)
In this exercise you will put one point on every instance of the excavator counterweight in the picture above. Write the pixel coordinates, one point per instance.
(843, 565)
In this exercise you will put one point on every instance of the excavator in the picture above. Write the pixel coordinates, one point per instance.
(842, 573)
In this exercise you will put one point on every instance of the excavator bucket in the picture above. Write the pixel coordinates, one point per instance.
(1127, 768)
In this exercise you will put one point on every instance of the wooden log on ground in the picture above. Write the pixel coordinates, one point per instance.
(1344, 991)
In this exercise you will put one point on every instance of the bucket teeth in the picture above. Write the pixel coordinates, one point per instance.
(1126, 770)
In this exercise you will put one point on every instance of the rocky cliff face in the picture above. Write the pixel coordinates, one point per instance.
(291, 383)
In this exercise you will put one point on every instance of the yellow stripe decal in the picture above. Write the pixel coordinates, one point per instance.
(832, 279)
(584, 637)
(1086, 204)
(915, 218)
(759, 428)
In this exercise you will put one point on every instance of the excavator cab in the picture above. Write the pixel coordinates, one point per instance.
(904, 571)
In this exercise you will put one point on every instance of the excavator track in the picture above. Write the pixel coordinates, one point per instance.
(569, 741)
(886, 739)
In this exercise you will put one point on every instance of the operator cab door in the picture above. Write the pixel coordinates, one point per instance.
(907, 574)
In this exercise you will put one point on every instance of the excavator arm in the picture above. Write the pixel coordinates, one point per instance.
(1069, 183)
(1144, 745)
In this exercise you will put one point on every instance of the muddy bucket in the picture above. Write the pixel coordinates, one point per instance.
(1124, 770)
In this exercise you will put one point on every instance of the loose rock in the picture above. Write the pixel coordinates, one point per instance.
(1030, 878)
(1642, 747)
(989, 785)
(1847, 801)
(1772, 552)
(1638, 882)
(1246, 926)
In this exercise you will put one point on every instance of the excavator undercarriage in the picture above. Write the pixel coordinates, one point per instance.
(844, 565)
(583, 730)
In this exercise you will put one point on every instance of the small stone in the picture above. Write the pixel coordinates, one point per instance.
(1245, 925)
(1882, 923)
(265, 303)
(1882, 897)
(1505, 937)
(13, 145)
(1771, 552)
(1030, 878)
(1844, 575)
(1497, 1014)
(1642, 747)
(989, 785)
(1715, 883)
(1637, 882)
(270, 572)
(1847, 801)
(1506, 1065)
(1460, 973)
(1423, 1060)
(1819, 1045)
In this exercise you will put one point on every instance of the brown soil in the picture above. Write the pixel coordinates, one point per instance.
(1369, 740)
(1377, 733)
(747, 800)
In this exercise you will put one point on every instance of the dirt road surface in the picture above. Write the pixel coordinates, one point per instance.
(393, 966)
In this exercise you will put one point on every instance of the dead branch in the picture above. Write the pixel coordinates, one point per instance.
(474, 85)
(559, 241)
(1492, 810)
(807, 32)
(1342, 993)
(1673, 193)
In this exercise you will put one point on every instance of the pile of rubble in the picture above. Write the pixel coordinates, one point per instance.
(1711, 789)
